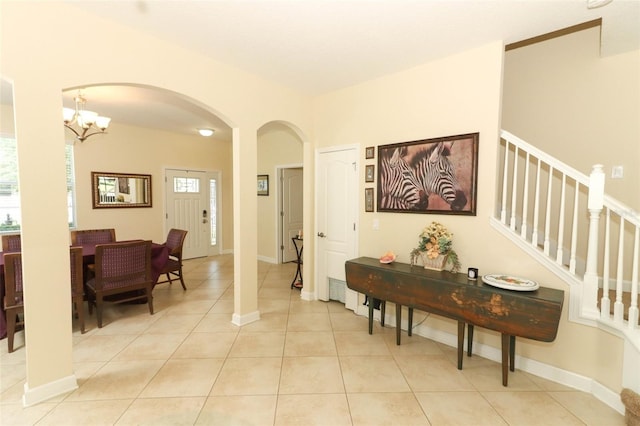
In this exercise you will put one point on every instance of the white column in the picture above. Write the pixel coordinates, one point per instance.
(245, 224)
(45, 238)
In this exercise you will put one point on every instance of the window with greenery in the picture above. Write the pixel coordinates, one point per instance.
(10, 190)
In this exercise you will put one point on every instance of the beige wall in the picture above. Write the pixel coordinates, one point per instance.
(456, 95)
(129, 149)
(43, 57)
(6, 121)
(562, 97)
(278, 145)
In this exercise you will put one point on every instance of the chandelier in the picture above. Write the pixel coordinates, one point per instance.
(84, 120)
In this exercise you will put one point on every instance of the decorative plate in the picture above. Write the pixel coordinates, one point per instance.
(509, 282)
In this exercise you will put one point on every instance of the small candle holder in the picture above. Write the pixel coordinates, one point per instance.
(472, 273)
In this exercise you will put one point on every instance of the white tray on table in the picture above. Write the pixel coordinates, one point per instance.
(509, 282)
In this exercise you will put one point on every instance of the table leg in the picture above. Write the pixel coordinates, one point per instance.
(470, 340)
(383, 311)
(505, 358)
(512, 353)
(370, 315)
(410, 319)
(398, 322)
(461, 325)
(297, 280)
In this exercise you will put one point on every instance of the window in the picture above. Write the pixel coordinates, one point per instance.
(213, 196)
(183, 184)
(10, 190)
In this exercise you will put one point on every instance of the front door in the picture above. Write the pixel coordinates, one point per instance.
(187, 195)
(291, 211)
(337, 207)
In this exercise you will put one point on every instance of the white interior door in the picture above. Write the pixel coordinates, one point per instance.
(291, 210)
(187, 195)
(337, 206)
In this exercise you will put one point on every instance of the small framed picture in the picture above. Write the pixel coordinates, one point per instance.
(369, 152)
(368, 199)
(263, 184)
(369, 173)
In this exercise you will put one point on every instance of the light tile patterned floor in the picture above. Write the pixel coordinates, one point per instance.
(303, 363)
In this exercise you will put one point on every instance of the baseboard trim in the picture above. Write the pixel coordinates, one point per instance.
(241, 320)
(307, 295)
(540, 369)
(49, 390)
(268, 259)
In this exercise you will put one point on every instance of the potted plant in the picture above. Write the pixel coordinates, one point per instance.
(435, 248)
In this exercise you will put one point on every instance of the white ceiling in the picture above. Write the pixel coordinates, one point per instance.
(316, 46)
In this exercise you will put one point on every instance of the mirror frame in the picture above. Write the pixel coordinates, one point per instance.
(97, 204)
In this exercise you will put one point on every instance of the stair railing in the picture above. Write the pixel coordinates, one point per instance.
(554, 212)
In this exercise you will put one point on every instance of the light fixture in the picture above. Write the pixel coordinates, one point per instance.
(85, 120)
(594, 4)
(205, 132)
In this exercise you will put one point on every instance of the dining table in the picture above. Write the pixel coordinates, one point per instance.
(159, 258)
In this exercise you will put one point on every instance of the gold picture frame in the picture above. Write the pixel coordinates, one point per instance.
(263, 185)
(369, 152)
(369, 173)
(368, 199)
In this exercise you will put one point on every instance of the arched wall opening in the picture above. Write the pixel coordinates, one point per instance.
(280, 212)
(152, 129)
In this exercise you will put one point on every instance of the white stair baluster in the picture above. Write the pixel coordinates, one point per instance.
(574, 230)
(618, 306)
(560, 245)
(547, 220)
(525, 200)
(505, 176)
(605, 302)
(536, 209)
(633, 307)
(514, 191)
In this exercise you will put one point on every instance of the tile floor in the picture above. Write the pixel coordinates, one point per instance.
(303, 363)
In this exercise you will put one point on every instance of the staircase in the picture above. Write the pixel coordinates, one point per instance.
(591, 241)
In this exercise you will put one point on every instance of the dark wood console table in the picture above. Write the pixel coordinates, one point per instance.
(531, 314)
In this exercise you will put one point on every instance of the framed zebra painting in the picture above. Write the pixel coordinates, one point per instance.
(436, 176)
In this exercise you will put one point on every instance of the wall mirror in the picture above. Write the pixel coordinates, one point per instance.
(118, 190)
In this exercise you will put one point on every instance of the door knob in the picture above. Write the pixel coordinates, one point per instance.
(321, 234)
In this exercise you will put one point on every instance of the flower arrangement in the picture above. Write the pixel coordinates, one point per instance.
(436, 240)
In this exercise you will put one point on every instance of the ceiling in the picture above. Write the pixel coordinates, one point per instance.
(316, 46)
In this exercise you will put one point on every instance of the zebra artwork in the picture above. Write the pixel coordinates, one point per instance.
(399, 188)
(437, 176)
(430, 176)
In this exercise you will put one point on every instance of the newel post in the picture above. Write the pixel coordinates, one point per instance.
(595, 204)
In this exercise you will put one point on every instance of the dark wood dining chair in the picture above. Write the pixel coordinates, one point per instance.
(173, 268)
(13, 301)
(122, 269)
(11, 243)
(92, 236)
(77, 284)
